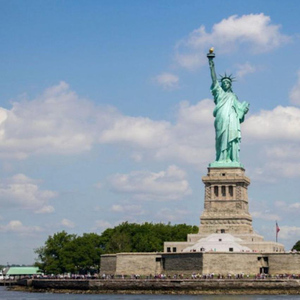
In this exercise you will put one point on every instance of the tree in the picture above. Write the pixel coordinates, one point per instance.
(296, 246)
(52, 256)
(69, 253)
(146, 237)
(82, 255)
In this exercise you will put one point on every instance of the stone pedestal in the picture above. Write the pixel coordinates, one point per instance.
(226, 211)
(226, 202)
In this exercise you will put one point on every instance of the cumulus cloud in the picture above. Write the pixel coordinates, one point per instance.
(54, 122)
(23, 192)
(16, 226)
(102, 225)
(138, 131)
(295, 92)
(245, 69)
(295, 205)
(171, 215)
(46, 209)
(128, 209)
(165, 185)
(194, 125)
(190, 60)
(280, 123)
(265, 216)
(67, 223)
(162, 140)
(60, 122)
(290, 208)
(285, 168)
(289, 233)
(276, 134)
(167, 81)
(254, 32)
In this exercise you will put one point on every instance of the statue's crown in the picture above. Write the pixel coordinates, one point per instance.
(228, 77)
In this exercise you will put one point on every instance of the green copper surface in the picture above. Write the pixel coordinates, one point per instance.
(226, 164)
(229, 113)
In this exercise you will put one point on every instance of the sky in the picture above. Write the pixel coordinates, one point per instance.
(106, 114)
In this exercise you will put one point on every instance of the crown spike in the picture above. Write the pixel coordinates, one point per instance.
(225, 76)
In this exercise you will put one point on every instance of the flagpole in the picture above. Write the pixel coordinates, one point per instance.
(276, 231)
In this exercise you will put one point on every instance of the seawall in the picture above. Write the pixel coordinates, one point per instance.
(176, 286)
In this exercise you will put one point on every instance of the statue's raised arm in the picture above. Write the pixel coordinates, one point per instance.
(210, 57)
(228, 113)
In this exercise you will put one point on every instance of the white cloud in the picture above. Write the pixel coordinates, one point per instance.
(165, 185)
(265, 216)
(99, 185)
(245, 69)
(128, 209)
(168, 81)
(285, 168)
(23, 192)
(137, 157)
(67, 223)
(289, 233)
(281, 123)
(190, 61)
(16, 226)
(46, 209)
(254, 32)
(194, 126)
(171, 215)
(102, 225)
(54, 122)
(137, 130)
(117, 208)
(295, 205)
(276, 136)
(295, 92)
(162, 140)
(283, 151)
(291, 208)
(200, 114)
(280, 204)
(60, 122)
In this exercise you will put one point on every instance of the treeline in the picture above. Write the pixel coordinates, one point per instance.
(296, 246)
(70, 253)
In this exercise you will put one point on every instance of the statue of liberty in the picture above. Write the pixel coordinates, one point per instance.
(228, 113)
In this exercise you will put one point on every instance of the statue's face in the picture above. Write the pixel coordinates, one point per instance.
(226, 84)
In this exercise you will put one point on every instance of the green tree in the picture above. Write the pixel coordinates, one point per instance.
(52, 256)
(120, 238)
(146, 237)
(64, 253)
(296, 246)
(82, 255)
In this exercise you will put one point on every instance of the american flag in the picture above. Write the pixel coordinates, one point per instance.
(277, 230)
(277, 227)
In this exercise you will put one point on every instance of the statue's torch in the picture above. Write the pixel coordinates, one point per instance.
(210, 54)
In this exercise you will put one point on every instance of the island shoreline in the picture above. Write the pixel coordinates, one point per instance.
(165, 286)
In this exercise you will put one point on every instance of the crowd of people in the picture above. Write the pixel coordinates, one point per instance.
(204, 276)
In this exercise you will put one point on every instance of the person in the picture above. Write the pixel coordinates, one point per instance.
(228, 113)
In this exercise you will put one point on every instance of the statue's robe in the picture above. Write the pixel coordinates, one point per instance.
(228, 113)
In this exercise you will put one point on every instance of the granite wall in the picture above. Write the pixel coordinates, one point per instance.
(203, 263)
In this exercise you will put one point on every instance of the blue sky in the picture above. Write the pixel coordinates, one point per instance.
(106, 113)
